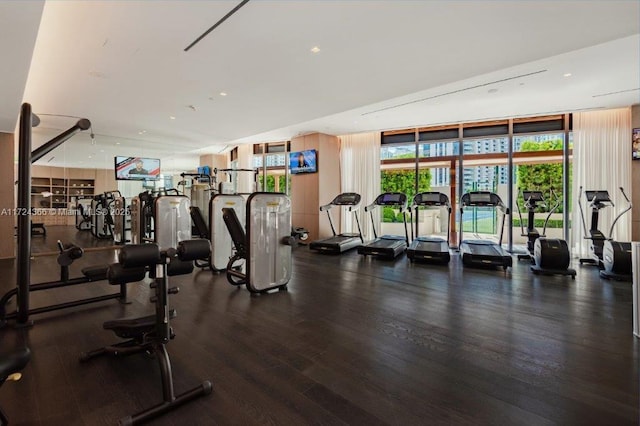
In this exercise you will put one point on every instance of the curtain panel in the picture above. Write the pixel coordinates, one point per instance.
(360, 165)
(601, 160)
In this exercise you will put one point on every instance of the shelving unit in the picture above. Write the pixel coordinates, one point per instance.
(63, 197)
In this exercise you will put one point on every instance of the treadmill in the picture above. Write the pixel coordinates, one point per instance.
(430, 249)
(342, 242)
(484, 252)
(387, 246)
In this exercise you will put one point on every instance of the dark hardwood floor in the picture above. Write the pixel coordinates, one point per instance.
(353, 341)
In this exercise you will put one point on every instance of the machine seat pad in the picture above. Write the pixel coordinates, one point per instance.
(129, 327)
(96, 272)
(13, 361)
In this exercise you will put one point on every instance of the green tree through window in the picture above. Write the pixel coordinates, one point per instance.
(402, 181)
(542, 177)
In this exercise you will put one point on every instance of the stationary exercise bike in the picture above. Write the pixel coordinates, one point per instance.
(612, 257)
(550, 256)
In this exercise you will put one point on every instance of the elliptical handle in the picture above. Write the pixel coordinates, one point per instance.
(625, 195)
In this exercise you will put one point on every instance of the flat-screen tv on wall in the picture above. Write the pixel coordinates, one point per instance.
(137, 168)
(303, 161)
(635, 144)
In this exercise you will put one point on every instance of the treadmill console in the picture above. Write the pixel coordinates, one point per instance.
(431, 199)
(597, 196)
(347, 199)
(391, 199)
(478, 199)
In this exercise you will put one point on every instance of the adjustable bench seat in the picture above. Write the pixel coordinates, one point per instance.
(96, 272)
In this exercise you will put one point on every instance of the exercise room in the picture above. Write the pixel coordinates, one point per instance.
(320, 212)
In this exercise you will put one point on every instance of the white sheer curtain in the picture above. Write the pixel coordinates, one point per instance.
(360, 166)
(245, 161)
(601, 160)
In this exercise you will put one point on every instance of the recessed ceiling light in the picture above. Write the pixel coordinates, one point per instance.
(568, 74)
(315, 49)
(223, 94)
(171, 117)
(142, 132)
(89, 156)
(117, 143)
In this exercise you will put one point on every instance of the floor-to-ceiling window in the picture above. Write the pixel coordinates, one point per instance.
(397, 174)
(501, 156)
(438, 151)
(271, 162)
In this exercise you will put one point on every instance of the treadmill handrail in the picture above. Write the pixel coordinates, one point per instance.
(498, 204)
(352, 209)
(416, 207)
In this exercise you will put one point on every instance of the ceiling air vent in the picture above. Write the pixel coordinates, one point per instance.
(440, 95)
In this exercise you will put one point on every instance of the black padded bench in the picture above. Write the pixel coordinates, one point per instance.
(10, 364)
(95, 273)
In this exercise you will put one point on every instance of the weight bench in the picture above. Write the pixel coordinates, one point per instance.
(151, 333)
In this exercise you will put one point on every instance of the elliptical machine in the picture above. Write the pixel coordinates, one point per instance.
(616, 255)
(597, 201)
(550, 256)
(532, 200)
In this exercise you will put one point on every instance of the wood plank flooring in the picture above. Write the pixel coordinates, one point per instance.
(354, 341)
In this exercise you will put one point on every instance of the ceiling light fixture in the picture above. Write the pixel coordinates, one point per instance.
(568, 74)
(142, 132)
(315, 49)
(171, 117)
(117, 143)
(223, 94)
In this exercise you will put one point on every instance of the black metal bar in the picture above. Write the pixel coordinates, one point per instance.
(55, 284)
(38, 153)
(510, 198)
(566, 188)
(24, 213)
(165, 373)
(203, 389)
(65, 305)
(359, 229)
(216, 25)
(331, 222)
(25, 159)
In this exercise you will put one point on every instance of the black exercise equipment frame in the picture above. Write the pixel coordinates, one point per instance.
(23, 259)
(151, 334)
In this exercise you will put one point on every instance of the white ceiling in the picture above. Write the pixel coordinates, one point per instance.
(122, 65)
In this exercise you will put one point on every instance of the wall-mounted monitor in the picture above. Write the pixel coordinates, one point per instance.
(137, 168)
(303, 161)
(635, 144)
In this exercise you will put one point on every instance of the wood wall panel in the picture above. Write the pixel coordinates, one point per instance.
(310, 191)
(7, 196)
